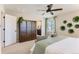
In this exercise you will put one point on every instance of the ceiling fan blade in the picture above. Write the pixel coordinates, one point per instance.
(40, 10)
(57, 9)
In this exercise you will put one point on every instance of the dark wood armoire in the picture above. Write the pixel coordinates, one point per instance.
(27, 31)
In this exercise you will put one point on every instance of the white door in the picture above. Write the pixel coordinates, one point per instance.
(10, 29)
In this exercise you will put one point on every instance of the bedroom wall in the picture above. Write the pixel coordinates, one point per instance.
(0, 21)
(1, 24)
(67, 16)
(35, 17)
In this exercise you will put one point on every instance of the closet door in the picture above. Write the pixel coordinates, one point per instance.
(10, 29)
(28, 30)
(33, 35)
(23, 30)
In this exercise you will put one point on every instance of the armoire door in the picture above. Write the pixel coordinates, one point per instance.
(22, 32)
(28, 30)
(33, 31)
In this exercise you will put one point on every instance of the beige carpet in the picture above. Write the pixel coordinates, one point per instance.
(19, 48)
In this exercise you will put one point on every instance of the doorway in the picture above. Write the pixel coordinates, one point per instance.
(10, 29)
(39, 28)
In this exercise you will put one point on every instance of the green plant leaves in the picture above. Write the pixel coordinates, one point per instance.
(62, 28)
(69, 25)
(64, 21)
(76, 19)
(71, 31)
(77, 26)
(20, 19)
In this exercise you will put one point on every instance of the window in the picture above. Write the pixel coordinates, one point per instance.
(50, 26)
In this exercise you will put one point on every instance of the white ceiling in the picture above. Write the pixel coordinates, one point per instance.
(32, 9)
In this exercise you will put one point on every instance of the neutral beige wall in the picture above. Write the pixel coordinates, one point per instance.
(1, 21)
(34, 17)
(68, 17)
(1, 26)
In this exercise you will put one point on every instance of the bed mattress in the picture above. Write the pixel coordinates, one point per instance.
(66, 46)
(40, 46)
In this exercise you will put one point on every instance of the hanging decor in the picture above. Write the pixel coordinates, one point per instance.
(69, 25)
(76, 19)
(64, 21)
(62, 28)
(77, 26)
(71, 31)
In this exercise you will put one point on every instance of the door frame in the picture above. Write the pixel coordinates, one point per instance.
(2, 29)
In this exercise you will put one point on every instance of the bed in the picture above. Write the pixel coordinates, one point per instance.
(66, 46)
(40, 46)
(56, 45)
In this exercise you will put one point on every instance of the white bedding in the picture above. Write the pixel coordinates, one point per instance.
(66, 46)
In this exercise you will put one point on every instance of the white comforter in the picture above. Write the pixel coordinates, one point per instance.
(66, 46)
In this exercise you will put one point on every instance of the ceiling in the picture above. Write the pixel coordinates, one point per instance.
(32, 9)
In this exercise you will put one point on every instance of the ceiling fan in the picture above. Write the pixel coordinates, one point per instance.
(49, 9)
